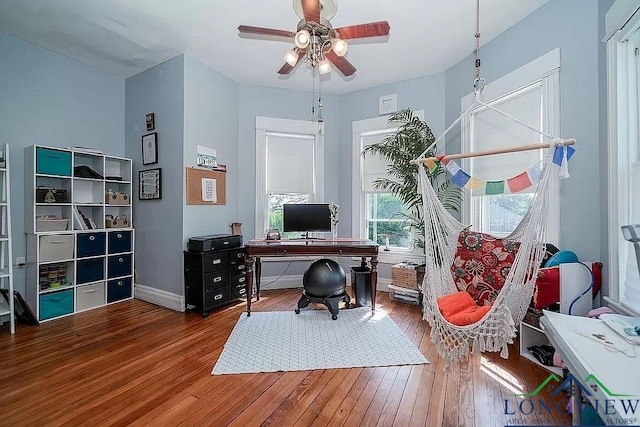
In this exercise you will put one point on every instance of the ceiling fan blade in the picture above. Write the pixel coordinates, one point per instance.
(311, 9)
(286, 68)
(341, 63)
(372, 29)
(246, 29)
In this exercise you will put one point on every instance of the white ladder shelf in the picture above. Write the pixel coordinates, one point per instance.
(7, 308)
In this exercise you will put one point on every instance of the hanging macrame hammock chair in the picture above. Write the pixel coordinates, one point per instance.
(497, 328)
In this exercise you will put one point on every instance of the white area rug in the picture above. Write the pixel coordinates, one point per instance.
(285, 341)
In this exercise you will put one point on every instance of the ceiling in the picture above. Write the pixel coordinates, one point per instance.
(125, 37)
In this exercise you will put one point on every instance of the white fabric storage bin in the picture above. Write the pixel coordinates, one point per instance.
(90, 296)
(57, 247)
(43, 224)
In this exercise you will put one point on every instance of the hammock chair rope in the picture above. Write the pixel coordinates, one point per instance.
(497, 328)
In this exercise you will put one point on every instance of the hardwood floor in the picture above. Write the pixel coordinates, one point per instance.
(135, 363)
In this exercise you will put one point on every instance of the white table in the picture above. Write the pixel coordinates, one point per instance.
(586, 359)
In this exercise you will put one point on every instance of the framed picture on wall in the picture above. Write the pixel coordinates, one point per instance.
(150, 120)
(150, 184)
(150, 148)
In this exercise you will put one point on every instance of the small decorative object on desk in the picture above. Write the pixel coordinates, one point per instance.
(333, 211)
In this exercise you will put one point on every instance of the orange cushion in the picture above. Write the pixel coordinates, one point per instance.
(460, 309)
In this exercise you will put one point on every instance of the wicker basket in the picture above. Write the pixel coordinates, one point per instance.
(407, 276)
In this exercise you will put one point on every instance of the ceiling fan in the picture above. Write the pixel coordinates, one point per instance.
(316, 41)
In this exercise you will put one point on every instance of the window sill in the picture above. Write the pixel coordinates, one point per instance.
(622, 308)
(391, 257)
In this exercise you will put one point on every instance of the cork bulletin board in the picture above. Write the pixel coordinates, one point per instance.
(197, 178)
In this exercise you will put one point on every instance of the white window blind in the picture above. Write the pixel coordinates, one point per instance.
(492, 130)
(631, 287)
(373, 166)
(290, 164)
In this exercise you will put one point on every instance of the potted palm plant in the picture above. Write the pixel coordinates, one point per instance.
(411, 139)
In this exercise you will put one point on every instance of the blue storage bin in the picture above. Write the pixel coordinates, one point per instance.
(119, 289)
(119, 241)
(119, 265)
(91, 244)
(90, 270)
(56, 304)
(53, 162)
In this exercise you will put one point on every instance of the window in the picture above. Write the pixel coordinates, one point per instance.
(529, 94)
(289, 168)
(377, 215)
(623, 53)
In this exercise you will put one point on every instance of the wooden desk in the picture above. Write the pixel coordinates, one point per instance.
(260, 248)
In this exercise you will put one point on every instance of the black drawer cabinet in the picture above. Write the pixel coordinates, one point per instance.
(213, 278)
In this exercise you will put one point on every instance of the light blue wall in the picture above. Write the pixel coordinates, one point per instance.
(158, 223)
(210, 120)
(573, 26)
(46, 98)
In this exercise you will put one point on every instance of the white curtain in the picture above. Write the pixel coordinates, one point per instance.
(290, 156)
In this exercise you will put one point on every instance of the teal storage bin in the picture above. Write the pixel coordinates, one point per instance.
(53, 162)
(56, 304)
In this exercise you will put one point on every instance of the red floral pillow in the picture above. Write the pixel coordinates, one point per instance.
(481, 265)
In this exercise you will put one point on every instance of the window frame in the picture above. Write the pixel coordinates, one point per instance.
(545, 71)
(287, 127)
(622, 20)
(366, 127)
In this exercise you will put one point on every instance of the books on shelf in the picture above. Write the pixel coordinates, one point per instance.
(82, 221)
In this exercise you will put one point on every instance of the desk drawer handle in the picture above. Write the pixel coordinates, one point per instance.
(240, 255)
(241, 267)
(216, 261)
(217, 279)
(241, 280)
(217, 297)
(242, 291)
(284, 251)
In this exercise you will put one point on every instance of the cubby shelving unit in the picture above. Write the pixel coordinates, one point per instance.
(76, 260)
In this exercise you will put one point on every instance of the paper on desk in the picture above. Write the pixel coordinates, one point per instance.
(619, 373)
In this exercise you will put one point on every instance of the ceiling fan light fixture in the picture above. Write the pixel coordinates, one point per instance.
(302, 39)
(339, 46)
(291, 57)
(324, 66)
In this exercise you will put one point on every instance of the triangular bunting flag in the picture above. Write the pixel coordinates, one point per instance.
(494, 187)
(460, 178)
(519, 182)
(431, 165)
(474, 184)
(558, 154)
(535, 172)
(453, 168)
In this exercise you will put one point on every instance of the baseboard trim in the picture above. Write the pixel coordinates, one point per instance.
(159, 297)
(295, 282)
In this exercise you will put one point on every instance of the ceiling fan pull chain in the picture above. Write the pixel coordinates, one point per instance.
(479, 81)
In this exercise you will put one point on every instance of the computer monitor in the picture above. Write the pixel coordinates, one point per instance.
(306, 218)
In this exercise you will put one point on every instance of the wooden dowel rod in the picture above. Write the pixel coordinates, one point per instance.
(505, 150)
